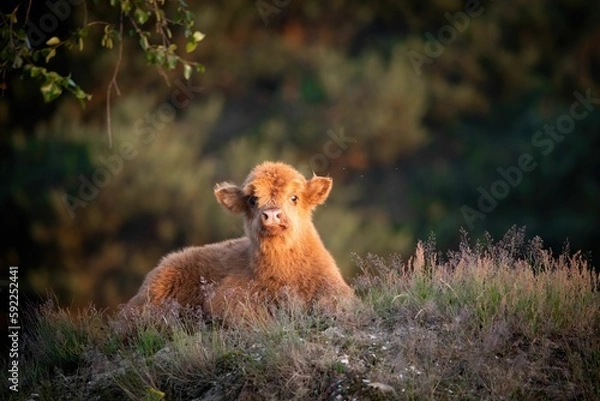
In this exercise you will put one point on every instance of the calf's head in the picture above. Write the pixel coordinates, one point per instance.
(276, 200)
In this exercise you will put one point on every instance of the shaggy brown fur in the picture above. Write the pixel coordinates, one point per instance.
(281, 254)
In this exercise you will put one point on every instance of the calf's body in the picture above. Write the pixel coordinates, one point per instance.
(281, 253)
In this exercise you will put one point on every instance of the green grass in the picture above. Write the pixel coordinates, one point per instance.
(491, 321)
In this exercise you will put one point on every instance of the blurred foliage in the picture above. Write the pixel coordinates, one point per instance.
(328, 87)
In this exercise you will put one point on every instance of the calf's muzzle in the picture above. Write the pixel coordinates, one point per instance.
(271, 217)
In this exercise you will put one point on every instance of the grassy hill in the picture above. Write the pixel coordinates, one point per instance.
(490, 321)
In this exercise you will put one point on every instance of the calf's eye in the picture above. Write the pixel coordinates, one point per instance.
(294, 199)
(252, 201)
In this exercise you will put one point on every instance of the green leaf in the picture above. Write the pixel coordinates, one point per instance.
(190, 47)
(17, 62)
(193, 40)
(125, 6)
(198, 36)
(50, 90)
(141, 16)
(50, 54)
(144, 42)
(22, 36)
(150, 57)
(80, 94)
(159, 58)
(107, 40)
(187, 71)
(53, 41)
(171, 61)
(35, 71)
(83, 32)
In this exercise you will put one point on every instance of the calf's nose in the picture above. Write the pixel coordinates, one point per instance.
(271, 216)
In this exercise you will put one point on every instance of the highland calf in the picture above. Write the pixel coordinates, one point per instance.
(281, 254)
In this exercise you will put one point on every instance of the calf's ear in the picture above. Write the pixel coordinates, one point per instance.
(317, 190)
(230, 197)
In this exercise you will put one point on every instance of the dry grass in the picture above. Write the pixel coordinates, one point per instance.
(495, 321)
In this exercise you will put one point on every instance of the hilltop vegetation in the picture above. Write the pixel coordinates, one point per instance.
(489, 321)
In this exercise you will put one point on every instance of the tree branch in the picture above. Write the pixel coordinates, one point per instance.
(113, 83)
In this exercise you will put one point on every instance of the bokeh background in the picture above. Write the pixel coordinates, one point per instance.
(412, 130)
